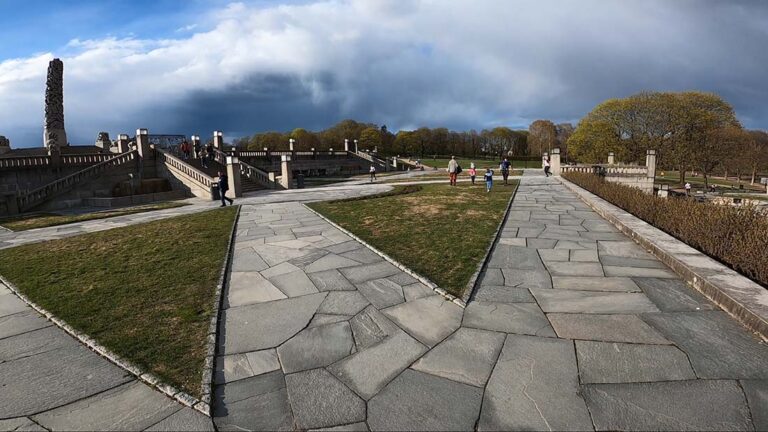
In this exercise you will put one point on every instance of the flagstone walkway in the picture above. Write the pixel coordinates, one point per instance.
(573, 327)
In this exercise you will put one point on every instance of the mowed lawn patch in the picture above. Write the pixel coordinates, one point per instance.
(42, 220)
(439, 231)
(144, 291)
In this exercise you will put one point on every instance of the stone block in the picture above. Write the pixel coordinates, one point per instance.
(294, 284)
(331, 280)
(382, 293)
(318, 400)
(673, 295)
(316, 347)
(419, 401)
(573, 301)
(329, 262)
(607, 328)
(258, 403)
(612, 362)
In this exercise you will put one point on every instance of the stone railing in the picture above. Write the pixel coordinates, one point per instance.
(86, 159)
(266, 179)
(608, 170)
(293, 154)
(188, 173)
(25, 162)
(64, 184)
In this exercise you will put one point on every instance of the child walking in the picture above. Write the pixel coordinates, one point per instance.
(488, 179)
(472, 173)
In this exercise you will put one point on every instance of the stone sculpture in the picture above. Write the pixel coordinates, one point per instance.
(103, 141)
(5, 145)
(54, 106)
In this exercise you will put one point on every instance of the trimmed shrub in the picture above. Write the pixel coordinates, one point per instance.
(736, 236)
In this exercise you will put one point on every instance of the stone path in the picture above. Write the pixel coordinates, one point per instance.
(573, 326)
(49, 380)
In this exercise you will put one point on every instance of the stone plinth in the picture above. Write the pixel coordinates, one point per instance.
(554, 162)
(218, 140)
(233, 172)
(286, 181)
(611, 158)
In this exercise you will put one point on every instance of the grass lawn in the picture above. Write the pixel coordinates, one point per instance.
(143, 291)
(42, 220)
(439, 231)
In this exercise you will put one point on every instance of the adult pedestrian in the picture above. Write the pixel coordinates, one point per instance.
(546, 167)
(453, 170)
(687, 189)
(223, 188)
(505, 169)
(372, 171)
(185, 149)
(197, 149)
(209, 150)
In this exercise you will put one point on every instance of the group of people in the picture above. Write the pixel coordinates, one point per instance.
(454, 169)
(204, 153)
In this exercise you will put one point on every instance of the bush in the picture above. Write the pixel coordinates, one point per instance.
(737, 236)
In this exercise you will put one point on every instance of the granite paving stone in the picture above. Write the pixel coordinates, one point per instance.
(513, 257)
(638, 272)
(363, 255)
(502, 294)
(10, 304)
(331, 280)
(367, 272)
(248, 260)
(294, 284)
(626, 249)
(316, 347)
(323, 319)
(672, 295)
(491, 277)
(527, 278)
(67, 374)
(232, 368)
(717, 346)
(251, 287)
(329, 262)
(614, 261)
(370, 327)
(318, 400)
(612, 362)
(574, 269)
(419, 401)
(258, 403)
(757, 399)
(343, 303)
(20, 424)
(263, 361)
(581, 255)
(549, 255)
(186, 419)
(32, 343)
(521, 318)
(403, 279)
(368, 371)
(131, 406)
(573, 301)
(695, 405)
(382, 293)
(534, 386)
(266, 325)
(353, 427)
(467, 356)
(416, 291)
(429, 319)
(22, 322)
(606, 328)
(591, 283)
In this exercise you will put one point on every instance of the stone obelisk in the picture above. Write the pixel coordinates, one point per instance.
(54, 135)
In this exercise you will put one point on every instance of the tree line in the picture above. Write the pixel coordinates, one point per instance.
(690, 130)
(422, 142)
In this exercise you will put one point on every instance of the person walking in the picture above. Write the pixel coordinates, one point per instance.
(223, 188)
(546, 167)
(372, 171)
(472, 173)
(185, 149)
(209, 150)
(197, 149)
(505, 169)
(687, 189)
(453, 170)
(488, 179)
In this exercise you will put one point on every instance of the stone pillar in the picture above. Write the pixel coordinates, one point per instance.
(650, 163)
(355, 146)
(346, 145)
(291, 142)
(218, 140)
(233, 172)
(286, 166)
(611, 158)
(543, 158)
(142, 143)
(554, 162)
(122, 143)
(53, 130)
(195, 143)
(394, 162)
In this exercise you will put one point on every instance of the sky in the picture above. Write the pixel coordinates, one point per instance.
(194, 66)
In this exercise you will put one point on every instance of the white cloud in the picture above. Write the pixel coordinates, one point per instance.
(434, 62)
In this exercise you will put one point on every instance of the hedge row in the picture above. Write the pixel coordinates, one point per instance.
(736, 236)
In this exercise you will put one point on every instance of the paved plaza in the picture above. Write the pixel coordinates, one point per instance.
(572, 327)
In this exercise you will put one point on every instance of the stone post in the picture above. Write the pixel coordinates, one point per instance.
(543, 158)
(346, 145)
(650, 163)
(218, 140)
(142, 144)
(122, 143)
(233, 172)
(195, 143)
(394, 162)
(291, 142)
(356, 146)
(554, 162)
(286, 181)
(611, 158)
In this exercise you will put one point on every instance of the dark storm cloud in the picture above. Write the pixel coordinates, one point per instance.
(459, 64)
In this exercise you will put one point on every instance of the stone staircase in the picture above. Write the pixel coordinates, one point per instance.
(215, 167)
